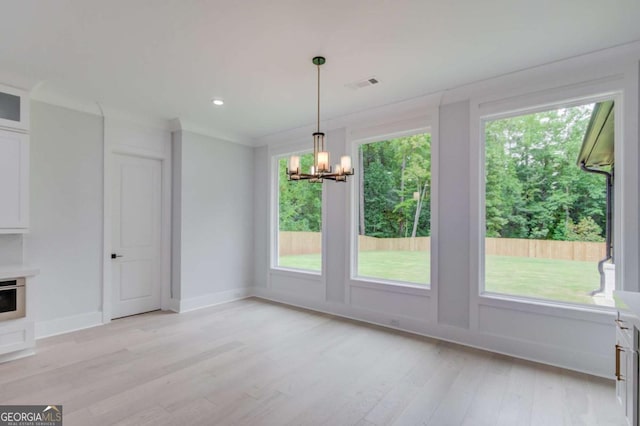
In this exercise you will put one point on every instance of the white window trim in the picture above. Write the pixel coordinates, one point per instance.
(274, 221)
(425, 123)
(482, 110)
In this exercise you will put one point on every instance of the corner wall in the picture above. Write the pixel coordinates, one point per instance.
(213, 227)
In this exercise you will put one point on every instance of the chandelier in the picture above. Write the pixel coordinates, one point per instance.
(321, 168)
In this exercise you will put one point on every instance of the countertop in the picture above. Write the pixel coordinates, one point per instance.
(17, 271)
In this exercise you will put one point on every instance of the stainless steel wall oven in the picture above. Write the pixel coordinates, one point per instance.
(12, 299)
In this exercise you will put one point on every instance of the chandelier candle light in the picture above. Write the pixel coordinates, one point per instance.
(321, 168)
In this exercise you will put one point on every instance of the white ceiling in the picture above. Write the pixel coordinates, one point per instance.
(168, 58)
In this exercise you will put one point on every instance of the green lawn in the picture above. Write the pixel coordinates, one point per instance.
(561, 280)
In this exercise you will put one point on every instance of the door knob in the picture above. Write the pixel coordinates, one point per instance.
(113, 255)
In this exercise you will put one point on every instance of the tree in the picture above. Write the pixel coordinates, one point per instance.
(585, 230)
(392, 170)
(300, 203)
(534, 189)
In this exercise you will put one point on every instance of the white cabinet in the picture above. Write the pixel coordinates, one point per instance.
(14, 160)
(14, 182)
(14, 108)
(627, 367)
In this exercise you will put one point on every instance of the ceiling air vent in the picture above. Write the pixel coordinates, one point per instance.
(360, 84)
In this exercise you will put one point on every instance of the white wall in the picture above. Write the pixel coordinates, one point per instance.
(261, 219)
(214, 245)
(212, 212)
(11, 248)
(65, 238)
(335, 246)
(575, 338)
(453, 205)
(176, 216)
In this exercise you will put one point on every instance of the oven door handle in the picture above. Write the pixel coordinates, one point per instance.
(11, 287)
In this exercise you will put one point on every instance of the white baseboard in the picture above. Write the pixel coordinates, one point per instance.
(174, 305)
(67, 324)
(212, 299)
(562, 357)
(92, 319)
(17, 355)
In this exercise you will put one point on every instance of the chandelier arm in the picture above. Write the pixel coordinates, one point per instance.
(320, 176)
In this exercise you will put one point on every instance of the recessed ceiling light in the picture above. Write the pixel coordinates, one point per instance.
(217, 101)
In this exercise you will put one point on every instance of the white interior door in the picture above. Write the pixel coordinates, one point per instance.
(136, 235)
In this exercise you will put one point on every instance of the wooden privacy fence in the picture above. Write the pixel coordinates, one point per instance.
(393, 244)
(291, 243)
(546, 249)
(294, 243)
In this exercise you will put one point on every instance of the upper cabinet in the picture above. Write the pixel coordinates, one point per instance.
(14, 109)
(14, 160)
(14, 182)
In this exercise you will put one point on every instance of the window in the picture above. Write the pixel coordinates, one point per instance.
(546, 220)
(394, 210)
(299, 220)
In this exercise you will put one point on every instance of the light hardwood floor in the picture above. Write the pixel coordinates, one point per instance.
(261, 363)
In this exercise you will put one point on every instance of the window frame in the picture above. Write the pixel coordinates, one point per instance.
(483, 112)
(408, 128)
(275, 217)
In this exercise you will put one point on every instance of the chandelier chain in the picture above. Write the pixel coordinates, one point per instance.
(318, 121)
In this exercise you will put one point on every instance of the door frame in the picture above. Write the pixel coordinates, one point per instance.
(110, 148)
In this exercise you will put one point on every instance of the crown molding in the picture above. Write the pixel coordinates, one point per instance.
(18, 81)
(585, 67)
(180, 124)
(44, 93)
(135, 119)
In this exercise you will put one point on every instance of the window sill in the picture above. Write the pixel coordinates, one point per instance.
(295, 272)
(593, 313)
(390, 286)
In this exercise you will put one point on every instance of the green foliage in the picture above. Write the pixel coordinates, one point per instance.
(380, 199)
(392, 171)
(534, 189)
(585, 230)
(300, 203)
